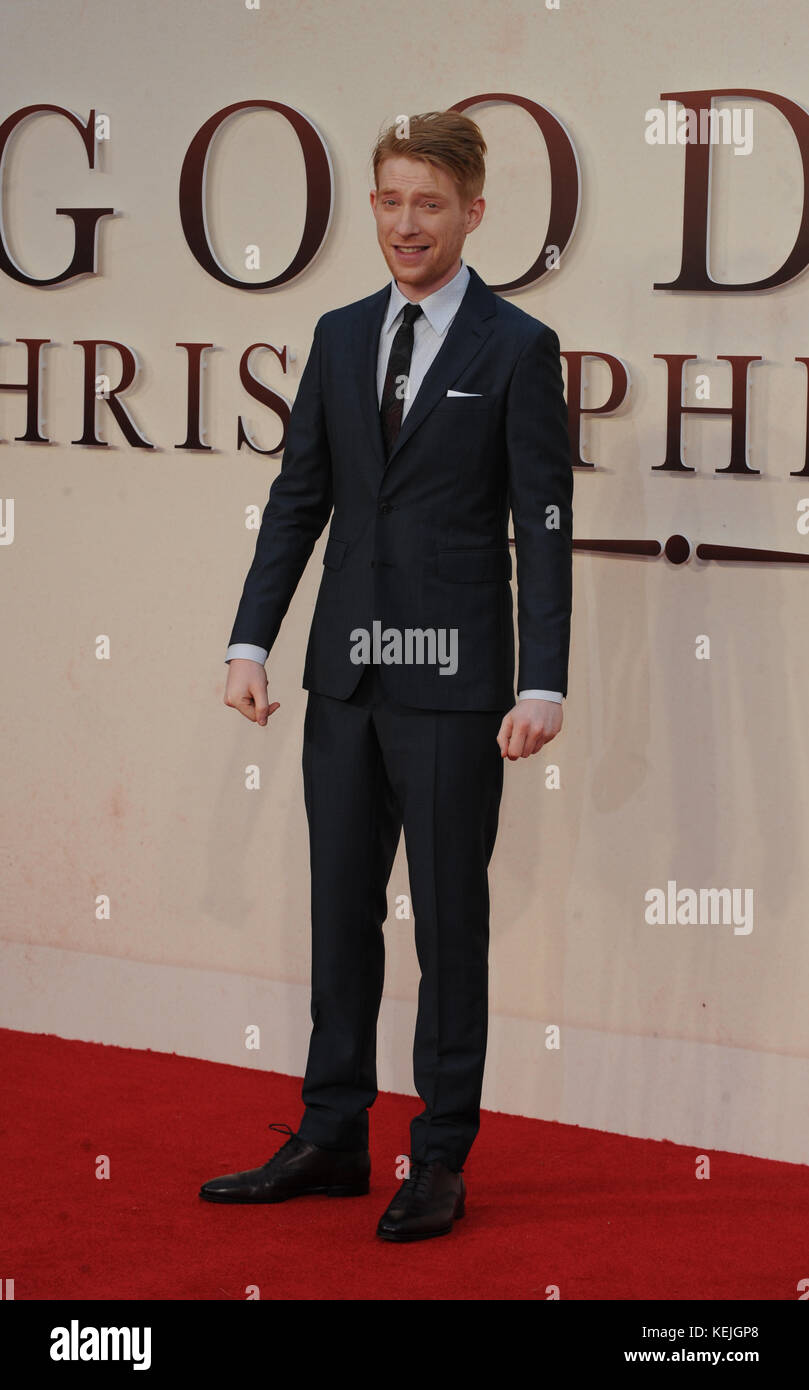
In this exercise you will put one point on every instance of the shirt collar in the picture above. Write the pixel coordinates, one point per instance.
(439, 308)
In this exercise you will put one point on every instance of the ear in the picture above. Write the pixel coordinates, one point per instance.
(475, 213)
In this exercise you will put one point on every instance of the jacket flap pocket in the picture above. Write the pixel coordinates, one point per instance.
(474, 566)
(334, 553)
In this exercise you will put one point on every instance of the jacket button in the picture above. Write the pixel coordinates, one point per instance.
(385, 507)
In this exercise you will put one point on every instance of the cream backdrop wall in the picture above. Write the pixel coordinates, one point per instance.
(127, 777)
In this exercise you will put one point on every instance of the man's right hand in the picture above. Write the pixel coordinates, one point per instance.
(246, 690)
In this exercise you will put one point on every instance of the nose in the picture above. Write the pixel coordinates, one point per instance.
(406, 223)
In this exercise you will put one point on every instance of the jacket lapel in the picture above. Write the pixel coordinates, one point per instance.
(465, 336)
(363, 354)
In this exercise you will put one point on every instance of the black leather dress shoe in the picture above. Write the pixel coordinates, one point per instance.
(298, 1169)
(426, 1204)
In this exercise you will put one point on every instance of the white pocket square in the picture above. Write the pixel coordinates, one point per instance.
(464, 393)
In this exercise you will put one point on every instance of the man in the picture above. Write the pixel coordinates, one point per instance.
(424, 412)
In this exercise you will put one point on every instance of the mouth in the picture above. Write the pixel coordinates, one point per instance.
(410, 253)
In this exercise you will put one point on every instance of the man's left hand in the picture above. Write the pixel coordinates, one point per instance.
(527, 726)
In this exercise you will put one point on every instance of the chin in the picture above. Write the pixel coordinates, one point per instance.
(414, 272)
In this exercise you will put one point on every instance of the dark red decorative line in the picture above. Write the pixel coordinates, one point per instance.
(678, 549)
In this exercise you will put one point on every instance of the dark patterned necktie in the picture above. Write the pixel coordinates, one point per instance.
(397, 378)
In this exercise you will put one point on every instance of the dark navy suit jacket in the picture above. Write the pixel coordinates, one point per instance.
(421, 541)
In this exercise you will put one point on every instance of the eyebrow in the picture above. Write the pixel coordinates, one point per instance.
(421, 192)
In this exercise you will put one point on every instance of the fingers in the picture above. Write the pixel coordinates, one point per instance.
(504, 734)
(263, 713)
(533, 745)
(521, 738)
(249, 697)
(258, 711)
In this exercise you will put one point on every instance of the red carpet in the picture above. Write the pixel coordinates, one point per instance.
(602, 1217)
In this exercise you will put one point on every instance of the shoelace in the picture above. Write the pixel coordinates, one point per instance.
(419, 1182)
(282, 1129)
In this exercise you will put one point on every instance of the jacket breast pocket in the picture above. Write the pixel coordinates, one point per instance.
(463, 405)
(477, 566)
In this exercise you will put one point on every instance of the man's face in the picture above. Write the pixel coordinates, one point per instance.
(421, 223)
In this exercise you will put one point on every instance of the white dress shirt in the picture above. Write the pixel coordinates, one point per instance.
(429, 332)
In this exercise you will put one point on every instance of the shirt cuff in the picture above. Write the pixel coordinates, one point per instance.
(555, 695)
(247, 652)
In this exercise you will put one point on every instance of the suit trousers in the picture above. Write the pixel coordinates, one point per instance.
(373, 768)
